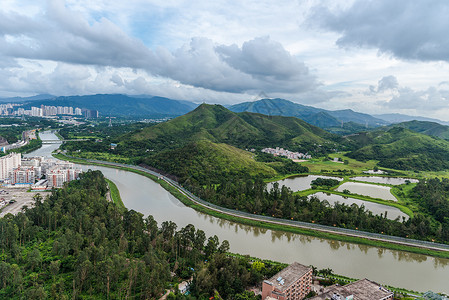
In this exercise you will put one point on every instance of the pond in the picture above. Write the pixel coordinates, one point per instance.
(300, 183)
(371, 190)
(384, 180)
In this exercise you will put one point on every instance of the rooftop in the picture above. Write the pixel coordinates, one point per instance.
(289, 275)
(361, 290)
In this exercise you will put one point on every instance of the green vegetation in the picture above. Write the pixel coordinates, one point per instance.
(115, 194)
(428, 128)
(77, 245)
(326, 235)
(325, 183)
(402, 149)
(205, 162)
(200, 151)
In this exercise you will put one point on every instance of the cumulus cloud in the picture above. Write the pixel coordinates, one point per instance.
(428, 100)
(64, 36)
(385, 84)
(415, 30)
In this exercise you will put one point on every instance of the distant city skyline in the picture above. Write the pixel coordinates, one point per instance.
(371, 56)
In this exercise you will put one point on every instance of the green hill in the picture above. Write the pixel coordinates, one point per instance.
(428, 128)
(401, 148)
(244, 130)
(206, 162)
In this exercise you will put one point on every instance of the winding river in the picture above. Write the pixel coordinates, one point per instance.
(396, 268)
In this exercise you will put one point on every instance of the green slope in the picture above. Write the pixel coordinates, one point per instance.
(428, 128)
(401, 148)
(243, 130)
(206, 162)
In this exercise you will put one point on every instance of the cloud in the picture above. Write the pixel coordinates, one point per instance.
(429, 100)
(65, 36)
(415, 30)
(385, 84)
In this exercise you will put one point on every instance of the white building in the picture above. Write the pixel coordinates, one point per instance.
(9, 163)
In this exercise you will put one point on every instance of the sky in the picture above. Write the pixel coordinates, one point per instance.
(382, 56)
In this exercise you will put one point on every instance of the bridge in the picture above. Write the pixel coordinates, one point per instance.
(62, 141)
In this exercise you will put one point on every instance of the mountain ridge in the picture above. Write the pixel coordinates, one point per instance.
(316, 116)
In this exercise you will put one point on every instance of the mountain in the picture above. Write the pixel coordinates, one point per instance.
(398, 118)
(24, 99)
(315, 116)
(401, 148)
(428, 128)
(244, 130)
(122, 105)
(205, 145)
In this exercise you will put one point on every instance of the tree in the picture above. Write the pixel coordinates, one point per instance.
(224, 247)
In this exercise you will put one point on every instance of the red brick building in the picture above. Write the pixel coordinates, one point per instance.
(292, 283)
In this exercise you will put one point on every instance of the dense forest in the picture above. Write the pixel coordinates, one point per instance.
(76, 245)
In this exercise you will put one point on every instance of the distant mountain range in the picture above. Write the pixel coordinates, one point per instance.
(121, 105)
(339, 121)
(398, 118)
(315, 116)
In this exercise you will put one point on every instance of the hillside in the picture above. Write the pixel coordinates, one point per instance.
(428, 128)
(401, 148)
(315, 116)
(243, 130)
(207, 162)
(122, 105)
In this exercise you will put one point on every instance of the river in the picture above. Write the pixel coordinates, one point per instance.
(401, 269)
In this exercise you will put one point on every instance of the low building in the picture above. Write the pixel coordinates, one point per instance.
(292, 283)
(359, 290)
(41, 185)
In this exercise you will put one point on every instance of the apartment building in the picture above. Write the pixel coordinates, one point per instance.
(292, 283)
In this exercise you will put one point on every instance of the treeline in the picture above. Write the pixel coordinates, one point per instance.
(326, 183)
(76, 245)
(433, 196)
(253, 197)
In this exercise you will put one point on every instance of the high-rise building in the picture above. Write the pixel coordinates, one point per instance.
(9, 163)
(58, 175)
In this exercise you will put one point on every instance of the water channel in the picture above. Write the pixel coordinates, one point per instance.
(396, 268)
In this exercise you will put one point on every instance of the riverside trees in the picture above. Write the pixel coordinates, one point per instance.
(75, 244)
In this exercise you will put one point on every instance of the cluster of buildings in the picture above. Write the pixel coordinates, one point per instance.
(295, 283)
(46, 111)
(284, 152)
(39, 173)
